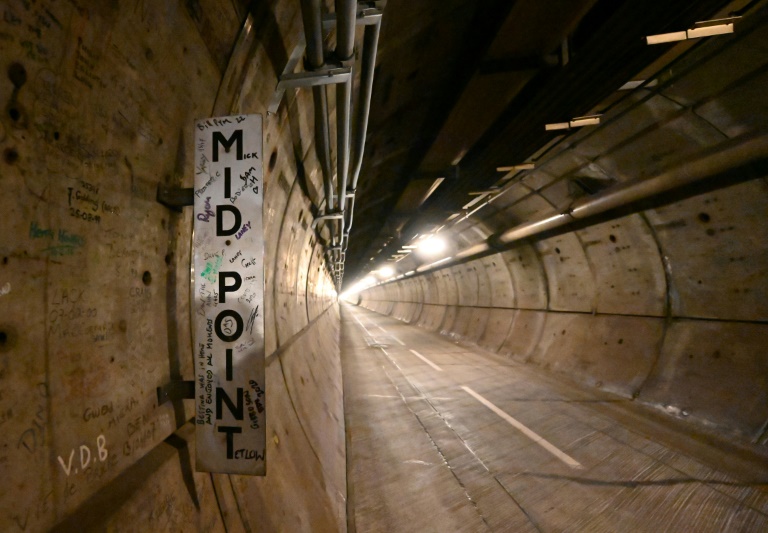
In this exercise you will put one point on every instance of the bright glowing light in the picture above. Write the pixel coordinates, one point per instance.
(433, 245)
(358, 287)
(386, 272)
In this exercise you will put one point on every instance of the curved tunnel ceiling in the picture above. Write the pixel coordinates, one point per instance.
(472, 91)
(661, 304)
(661, 299)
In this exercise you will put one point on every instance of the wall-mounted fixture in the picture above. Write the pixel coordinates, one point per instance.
(705, 28)
(634, 84)
(516, 168)
(577, 122)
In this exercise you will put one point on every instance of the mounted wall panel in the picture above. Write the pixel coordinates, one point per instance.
(720, 271)
(497, 328)
(709, 371)
(229, 296)
(570, 277)
(629, 272)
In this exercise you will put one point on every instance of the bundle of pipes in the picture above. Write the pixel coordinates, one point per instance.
(735, 161)
(338, 211)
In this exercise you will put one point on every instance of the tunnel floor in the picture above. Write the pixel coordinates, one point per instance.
(445, 437)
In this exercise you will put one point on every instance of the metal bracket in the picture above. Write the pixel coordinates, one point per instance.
(175, 197)
(367, 16)
(176, 390)
(294, 80)
(332, 216)
(313, 78)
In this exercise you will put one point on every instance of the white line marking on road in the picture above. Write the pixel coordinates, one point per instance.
(412, 398)
(401, 343)
(361, 325)
(430, 363)
(567, 459)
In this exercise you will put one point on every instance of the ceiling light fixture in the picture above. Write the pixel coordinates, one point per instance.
(386, 271)
(634, 84)
(432, 246)
(516, 168)
(591, 120)
(557, 126)
(706, 28)
(577, 122)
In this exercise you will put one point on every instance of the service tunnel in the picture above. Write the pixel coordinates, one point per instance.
(510, 271)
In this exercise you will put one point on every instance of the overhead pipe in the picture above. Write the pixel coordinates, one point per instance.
(368, 66)
(311, 14)
(346, 20)
(738, 154)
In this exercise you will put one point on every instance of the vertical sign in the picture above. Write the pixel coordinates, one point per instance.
(229, 286)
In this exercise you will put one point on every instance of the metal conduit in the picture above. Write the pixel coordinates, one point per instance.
(738, 154)
(311, 14)
(370, 48)
(346, 20)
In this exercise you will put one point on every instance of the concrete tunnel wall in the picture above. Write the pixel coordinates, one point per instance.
(99, 102)
(667, 306)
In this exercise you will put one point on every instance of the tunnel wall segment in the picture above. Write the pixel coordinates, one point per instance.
(100, 101)
(615, 318)
(667, 305)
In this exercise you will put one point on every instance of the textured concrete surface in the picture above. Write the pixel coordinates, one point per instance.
(667, 305)
(99, 102)
(427, 455)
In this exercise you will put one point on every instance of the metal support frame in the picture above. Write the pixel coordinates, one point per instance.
(175, 197)
(734, 157)
(330, 216)
(325, 76)
(349, 14)
(176, 390)
(295, 80)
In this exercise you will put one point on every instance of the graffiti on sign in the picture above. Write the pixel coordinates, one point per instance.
(229, 381)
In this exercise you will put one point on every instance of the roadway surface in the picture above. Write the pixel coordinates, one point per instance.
(443, 437)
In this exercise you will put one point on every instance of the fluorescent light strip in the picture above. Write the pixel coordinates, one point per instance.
(479, 198)
(557, 126)
(667, 37)
(578, 122)
(706, 28)
(630, 85)
(518, 168)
